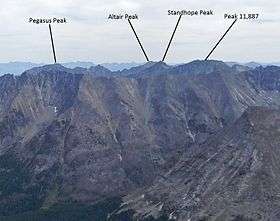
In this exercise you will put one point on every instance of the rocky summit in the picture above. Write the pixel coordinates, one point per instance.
(197, 141)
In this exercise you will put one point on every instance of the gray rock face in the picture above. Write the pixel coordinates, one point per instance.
(85, 135)
(234, 175)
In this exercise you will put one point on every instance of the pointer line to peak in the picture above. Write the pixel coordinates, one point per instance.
(53, 48)
(139, 42)
(220, 40)
(172, 37)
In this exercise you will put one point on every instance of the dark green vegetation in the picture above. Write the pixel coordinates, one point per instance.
(69, 212)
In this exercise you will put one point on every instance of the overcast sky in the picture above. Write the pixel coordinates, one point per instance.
(90, 36)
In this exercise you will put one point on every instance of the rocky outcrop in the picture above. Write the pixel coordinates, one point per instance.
(234, 175)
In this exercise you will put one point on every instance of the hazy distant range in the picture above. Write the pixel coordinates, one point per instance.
(18, 68)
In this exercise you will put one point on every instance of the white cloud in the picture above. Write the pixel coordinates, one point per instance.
(89, 35)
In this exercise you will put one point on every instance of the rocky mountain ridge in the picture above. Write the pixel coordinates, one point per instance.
(87, 135)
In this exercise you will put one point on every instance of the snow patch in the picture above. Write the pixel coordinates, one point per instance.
(120, 157)
(160, 206)
(172, 216)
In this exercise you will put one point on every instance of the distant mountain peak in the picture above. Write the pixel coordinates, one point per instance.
(201, 67)
(98, 67)
(161, 64)
(158, 66)
(48, 68)
(252, 64)
(215, 63)
(100, 70)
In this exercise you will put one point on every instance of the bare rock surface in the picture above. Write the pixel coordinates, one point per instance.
(86, 135)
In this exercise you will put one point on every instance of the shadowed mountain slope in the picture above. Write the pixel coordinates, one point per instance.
(86, 135)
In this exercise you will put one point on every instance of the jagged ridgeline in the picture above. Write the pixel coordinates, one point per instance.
(196, 141)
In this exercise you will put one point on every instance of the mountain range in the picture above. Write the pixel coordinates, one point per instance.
(17, 68)
(195, 141)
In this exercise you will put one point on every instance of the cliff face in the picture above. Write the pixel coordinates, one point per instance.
(85, 135)
(234, 175)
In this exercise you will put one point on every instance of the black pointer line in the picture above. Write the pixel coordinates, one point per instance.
(54, 56)
(171, 38)
(138, 40)
(220, 40)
